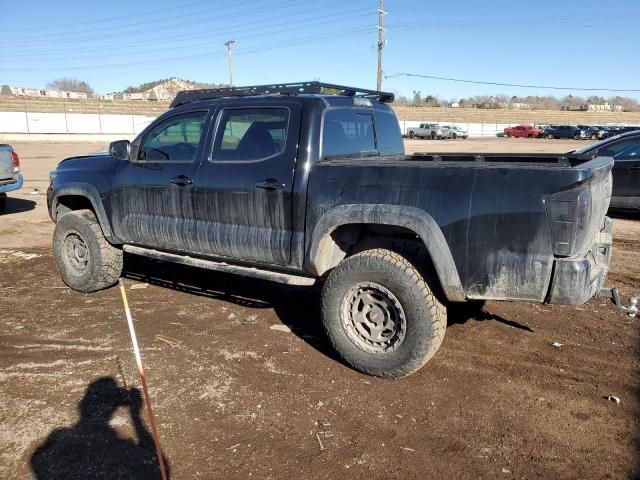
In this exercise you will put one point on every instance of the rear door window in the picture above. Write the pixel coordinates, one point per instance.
(250, 134)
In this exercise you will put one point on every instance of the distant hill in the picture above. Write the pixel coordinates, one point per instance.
(173, 83)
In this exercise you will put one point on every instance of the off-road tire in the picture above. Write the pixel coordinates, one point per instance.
(103, 260)
(3, 202)
(425, 316)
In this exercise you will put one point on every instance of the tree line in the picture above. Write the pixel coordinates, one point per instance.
(547, 102)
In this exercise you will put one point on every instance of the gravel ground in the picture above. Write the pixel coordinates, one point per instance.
(244, 384)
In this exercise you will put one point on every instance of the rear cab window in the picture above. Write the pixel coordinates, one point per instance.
(351, 132)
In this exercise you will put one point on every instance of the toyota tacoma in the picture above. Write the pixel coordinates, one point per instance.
(308, 184)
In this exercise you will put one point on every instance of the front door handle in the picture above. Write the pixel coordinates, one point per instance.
(270, 184)
(181, 180)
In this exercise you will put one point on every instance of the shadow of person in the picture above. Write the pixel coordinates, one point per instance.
(92, 449)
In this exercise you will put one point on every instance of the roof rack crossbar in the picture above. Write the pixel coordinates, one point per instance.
(315, 87)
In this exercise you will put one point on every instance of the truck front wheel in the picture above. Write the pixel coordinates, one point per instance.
(87, 262)
(380, 315)
(412, 135)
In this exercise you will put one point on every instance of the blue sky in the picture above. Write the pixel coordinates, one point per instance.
(116, 43)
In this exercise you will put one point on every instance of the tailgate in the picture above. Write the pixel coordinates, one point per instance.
(582, 235)
(577, 215)
(6, 165)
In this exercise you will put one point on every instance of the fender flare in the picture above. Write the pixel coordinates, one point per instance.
(89, 192)
(319, 260)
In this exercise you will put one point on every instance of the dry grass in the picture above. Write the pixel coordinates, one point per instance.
(474, 115)
(437, 114)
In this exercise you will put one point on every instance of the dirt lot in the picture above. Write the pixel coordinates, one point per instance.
(237, 398)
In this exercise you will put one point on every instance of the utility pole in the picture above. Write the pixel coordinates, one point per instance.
(229, 44)
(381, 42)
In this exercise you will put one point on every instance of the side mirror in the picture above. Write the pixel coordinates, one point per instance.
(120, 149)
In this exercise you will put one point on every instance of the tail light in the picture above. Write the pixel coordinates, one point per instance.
(15, 160)
(568, 214)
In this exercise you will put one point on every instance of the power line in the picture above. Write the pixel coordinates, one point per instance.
(518, 20)
(122, 27)
(478, 82)
(257, 49)
(142, 31)
(167, 61)
(210, 36)
(105, 20)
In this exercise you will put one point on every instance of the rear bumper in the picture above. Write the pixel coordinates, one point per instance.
(10, 187)
(576, 280)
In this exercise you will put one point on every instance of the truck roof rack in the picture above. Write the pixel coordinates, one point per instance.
(188, 96)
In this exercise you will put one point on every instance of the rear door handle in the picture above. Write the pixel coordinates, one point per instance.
(181, 180)
(270, 184)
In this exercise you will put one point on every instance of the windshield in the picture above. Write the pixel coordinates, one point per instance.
(615, 145)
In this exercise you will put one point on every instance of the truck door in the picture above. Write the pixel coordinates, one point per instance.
(152, 195)
(243, 191)
(626, 178)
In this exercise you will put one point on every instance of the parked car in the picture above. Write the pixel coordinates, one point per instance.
(593, 132)
(625, 150)
(309, 188)
(541, 128)
(10, 176)
(522, 131)
(429, 130)
(565, 131)
(457, 132)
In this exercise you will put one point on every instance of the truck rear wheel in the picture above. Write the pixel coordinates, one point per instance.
(380, 315)
(411, 134)
(3, 202)
(87, 262)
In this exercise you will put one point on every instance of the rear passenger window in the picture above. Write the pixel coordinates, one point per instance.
(388, 134)
(347, 132)
(250, 134)
(174, 140)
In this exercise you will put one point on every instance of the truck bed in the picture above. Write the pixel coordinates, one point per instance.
(494, 211)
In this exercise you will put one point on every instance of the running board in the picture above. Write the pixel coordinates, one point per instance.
(278, 277)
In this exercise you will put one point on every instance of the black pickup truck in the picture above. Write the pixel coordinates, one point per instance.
(291, 184)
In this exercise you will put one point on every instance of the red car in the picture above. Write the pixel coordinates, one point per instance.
(523, 131)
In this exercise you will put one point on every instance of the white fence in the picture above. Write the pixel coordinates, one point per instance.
(93, 123)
